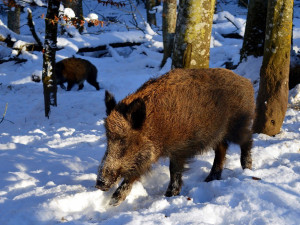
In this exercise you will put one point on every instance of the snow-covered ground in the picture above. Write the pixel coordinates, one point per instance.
(48, 166)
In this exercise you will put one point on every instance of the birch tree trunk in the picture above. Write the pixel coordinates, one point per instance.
(169, 25)
(48, 74)
(272, 97)
(13, 19)
(193, 33)
(254, 37)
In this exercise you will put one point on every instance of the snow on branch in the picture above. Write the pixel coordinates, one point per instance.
(16, 41)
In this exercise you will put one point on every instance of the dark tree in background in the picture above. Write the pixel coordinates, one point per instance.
(254, 37)
(76, 6)
(272, 97)
(294, 78)
(48, 74)
(169, 17)
(13, 16)
(151, 16)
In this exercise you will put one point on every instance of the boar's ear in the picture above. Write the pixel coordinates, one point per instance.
(110, 102)
(136, 113)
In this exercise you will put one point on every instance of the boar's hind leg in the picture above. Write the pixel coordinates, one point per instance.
(70, 85)
(241, 133)
(176, 169)
(80, 86)
(121, 193)
(92, 81)
(216, 170)
(246, 159)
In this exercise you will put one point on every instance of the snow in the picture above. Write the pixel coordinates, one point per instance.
(92, 16)
(69, 12)
(295, 95)
(48, 167)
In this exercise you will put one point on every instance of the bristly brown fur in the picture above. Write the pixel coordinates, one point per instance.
(76, 71)
(195, 107)
(180, 114)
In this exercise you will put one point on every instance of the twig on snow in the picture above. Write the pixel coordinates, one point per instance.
(232, 22)
(5, 114)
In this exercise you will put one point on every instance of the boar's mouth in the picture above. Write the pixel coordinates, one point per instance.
(105, 185)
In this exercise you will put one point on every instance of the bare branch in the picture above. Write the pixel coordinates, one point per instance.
(32, 29)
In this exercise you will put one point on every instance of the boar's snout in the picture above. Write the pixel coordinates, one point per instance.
(102, 186)
(106, 178)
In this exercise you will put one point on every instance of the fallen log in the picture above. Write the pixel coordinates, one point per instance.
(19, 44)
(16, 59)
(36, 47)
(104, 47)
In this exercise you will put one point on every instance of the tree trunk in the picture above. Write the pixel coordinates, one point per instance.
(272, 97)
(48, 75)
(169, 25)
(76, 6)
(151, 17)
(193, 33)
(13, 19)
(254, 37)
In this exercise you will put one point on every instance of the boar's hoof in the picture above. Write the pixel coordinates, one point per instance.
(116, 200)
(119, 196)
(246, 163)
(170, 193)
(213, 176)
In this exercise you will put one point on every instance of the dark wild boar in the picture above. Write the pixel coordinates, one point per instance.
(75, 71)
(180, 114)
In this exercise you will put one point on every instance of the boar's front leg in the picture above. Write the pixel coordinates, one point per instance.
(217, 168)
(122, 191)
(176, 169)
(62, 86)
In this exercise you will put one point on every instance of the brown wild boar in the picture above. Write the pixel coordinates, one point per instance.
(180, 114)
(75, 71)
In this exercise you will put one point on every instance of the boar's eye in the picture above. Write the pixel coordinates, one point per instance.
(114, 136)
(117, 146)
(122, 141)
(122, 147)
